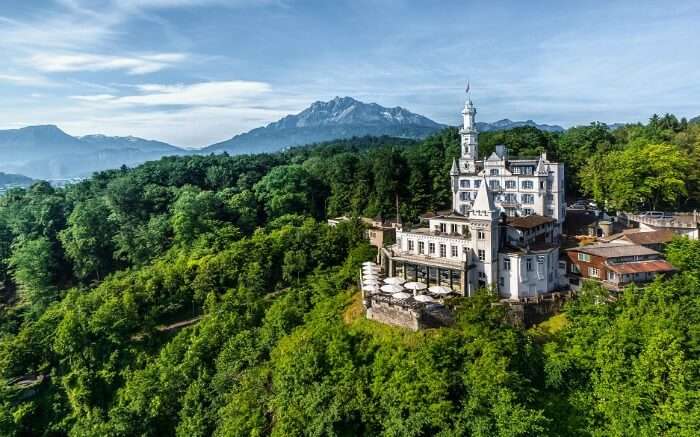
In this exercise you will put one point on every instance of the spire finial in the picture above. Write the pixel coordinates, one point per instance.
(467, 89)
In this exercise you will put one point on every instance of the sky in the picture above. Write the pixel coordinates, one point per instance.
(194, 72)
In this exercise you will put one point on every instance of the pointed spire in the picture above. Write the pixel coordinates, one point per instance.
(541, 167)
(483, 206)
(454, 171)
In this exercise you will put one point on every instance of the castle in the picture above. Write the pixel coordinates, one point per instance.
(503, 229)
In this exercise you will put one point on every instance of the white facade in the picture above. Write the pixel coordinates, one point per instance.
(504, 229)
(519, 186)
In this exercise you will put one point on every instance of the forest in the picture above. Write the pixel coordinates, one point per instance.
(96, 277)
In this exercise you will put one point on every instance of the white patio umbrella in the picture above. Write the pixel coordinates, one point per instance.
(369, 263)
(370, 275)
(424, 298)
(370, 281)
(370, 270)
(415, 285)
(392, 288)
(401, 295)
(394, 280)
(370, 288)
(440, 289)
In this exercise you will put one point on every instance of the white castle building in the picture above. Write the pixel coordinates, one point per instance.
(503, 230)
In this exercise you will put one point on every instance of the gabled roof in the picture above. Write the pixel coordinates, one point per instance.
(636, 236)
(493, 157)
(528, 221)
(613, 250)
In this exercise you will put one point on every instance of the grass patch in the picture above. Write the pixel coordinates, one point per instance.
(544, 331)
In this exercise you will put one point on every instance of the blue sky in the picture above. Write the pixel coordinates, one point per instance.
(193, 72)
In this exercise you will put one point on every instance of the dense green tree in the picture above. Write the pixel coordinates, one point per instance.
(88, 239)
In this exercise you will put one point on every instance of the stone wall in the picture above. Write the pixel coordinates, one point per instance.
(531, 313)
(393, 314)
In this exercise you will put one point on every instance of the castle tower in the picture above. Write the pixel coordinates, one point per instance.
(468, 132)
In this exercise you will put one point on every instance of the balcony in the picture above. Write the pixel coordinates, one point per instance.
(447, 262)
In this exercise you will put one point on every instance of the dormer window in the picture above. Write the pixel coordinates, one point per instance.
(494, 172)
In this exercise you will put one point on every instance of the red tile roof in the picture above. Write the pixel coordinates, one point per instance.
(658, 265)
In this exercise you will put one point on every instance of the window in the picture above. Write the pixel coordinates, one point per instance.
(528, 211)
(465, 183)
(465, 230)
(494, 172)
(540, 259)
(453, 228)
(477, 183)
(526, 185)
(464, 196)
(494, 185)
(501, 281)
(481, 235)
(421, 247)
(455, 251)
(510, 185)
(482, 275)
(431, 248)
(593, 272)
(584, 257)
(541, 185)
(506, 263)
(443, 227)
(482, 255)
(611, 276)
(443, 250)
(411, 245)
(527, 199)
(528, 264)
(550, 197)
(575, 269)
(510, 198)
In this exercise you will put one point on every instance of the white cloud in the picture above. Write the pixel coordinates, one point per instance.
(94, 98)
(198, 94)
(134, 65)
(27, 80)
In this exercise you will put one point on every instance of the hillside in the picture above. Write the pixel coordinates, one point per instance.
(9, 178)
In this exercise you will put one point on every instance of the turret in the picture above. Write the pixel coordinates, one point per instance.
(470, 144)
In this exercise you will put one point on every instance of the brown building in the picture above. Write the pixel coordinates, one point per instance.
(614, 265)
(656, 240)
(379, 232)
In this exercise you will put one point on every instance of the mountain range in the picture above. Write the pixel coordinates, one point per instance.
(342, 117)
(46, 152)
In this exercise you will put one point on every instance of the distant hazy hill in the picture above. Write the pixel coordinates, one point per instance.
(46, 152)
(324, 121)
(15, 179)
(506, 124)
(695, 119)
(105, 142)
